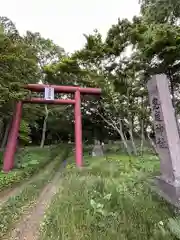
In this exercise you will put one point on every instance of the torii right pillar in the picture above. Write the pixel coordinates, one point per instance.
(167, 138)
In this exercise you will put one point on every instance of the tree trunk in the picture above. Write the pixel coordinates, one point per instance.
(172, 90)
(6, 133)
(44, 127)
(131, 122)
(125, 137)
(152, 144)
(142, 125)
(119, 131)
(142, 137)
(130, 131)
(124, 141)
(132, 141)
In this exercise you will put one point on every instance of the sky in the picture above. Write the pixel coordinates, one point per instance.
(65, 21)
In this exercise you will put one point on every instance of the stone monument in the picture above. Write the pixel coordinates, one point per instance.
(167, 138)
(178, 123)
(97, 149)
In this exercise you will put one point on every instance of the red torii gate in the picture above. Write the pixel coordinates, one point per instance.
(8, 160)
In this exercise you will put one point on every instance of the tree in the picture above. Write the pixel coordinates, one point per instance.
(18, 66)
(47, 52)
(157, 37)
(152, 41)
(107, 70)
(160, 11)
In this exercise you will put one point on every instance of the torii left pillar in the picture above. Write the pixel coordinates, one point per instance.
(12, 138)
(78, 129)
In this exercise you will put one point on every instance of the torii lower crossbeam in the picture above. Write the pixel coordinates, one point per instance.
(8, 160)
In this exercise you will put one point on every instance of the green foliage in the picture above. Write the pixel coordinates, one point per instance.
(46, 51)
(25, 131)
(161, 11)
(174, 227)
(29, 162)
(108, 199)
(22, 60)
(65, 72)
(18, 65)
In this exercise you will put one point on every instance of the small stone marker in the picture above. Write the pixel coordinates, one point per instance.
(97, 150)
(167, 138)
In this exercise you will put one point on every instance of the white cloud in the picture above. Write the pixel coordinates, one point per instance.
(65, 21)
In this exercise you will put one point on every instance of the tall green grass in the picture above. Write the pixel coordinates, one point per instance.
(29, 162)
(110, 198)
(13, 208)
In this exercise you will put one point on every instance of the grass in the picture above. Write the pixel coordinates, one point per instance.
(110, 198)
(28, 162)
(11, 211)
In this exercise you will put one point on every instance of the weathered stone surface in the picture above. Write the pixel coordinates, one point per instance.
(178, 121)
(97, 150)
(167, 138)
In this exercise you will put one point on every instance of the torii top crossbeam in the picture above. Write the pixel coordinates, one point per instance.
(63, 89)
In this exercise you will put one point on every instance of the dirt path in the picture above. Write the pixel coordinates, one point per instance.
(28, 226)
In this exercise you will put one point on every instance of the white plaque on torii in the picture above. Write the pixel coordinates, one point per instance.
(49, 93)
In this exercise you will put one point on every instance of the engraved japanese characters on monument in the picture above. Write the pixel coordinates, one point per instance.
(167, 137)
(161, 140)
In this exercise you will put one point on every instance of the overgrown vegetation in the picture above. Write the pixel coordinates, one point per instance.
(29, 162)
(109, 199)
(11, 210)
